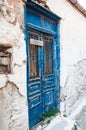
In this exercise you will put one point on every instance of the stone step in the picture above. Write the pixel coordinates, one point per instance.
(60, 123)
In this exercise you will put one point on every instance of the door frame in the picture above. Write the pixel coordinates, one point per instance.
(56, 33)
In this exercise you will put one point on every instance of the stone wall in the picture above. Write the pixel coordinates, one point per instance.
(13, 100)
(13, 97)
(42, 3)
(75, 92)
(73, 59)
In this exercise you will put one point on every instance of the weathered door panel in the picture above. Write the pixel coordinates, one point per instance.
(35, 101)
(42, 88)
(34, 84)
(49, 92)
(49, 75)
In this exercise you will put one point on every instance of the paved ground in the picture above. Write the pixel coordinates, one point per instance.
(60, 123)
(60, 126)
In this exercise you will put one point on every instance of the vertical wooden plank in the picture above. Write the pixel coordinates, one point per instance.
(55, 69)
(58, 62)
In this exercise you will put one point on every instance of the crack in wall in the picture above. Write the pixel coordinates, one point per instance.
(12, 83)
(19, 65)
(13, 107)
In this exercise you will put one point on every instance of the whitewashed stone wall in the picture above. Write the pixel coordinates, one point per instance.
(73, 59)
(13, 97)
(13, 100)
(75, 91)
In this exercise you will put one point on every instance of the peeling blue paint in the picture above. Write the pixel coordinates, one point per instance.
(43, 92)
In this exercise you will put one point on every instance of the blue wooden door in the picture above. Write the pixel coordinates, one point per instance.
(41, 83)
(43, 91)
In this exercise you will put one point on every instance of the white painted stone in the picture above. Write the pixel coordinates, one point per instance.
(73, 50)
(39, 127)
(19, 78)
(13, 100)
(72, 35)
(14, 108)
(79, 114)
(60, 123)
(75, 91)
(19, 53)
(8, 33)
(13, 97)
(3, 80)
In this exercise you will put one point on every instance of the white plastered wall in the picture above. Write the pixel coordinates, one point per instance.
(72, 35)
(73, 59)
(13, 91)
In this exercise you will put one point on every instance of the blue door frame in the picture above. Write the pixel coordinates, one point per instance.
(43, 91)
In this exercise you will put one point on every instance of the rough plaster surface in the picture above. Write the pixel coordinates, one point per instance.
(72, 35)
(13, 97)
(75, 92)
(13, 102)
(13, 108)
(73, 59)
(60, 123)
(42, 3)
